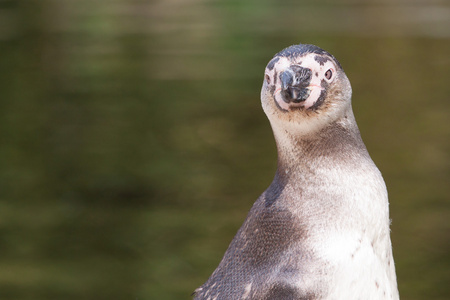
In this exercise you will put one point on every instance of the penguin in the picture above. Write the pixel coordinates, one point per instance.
(321, 229)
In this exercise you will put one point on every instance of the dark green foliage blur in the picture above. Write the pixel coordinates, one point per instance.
(133, 142)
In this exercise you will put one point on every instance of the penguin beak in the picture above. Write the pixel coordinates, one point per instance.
(294, 84)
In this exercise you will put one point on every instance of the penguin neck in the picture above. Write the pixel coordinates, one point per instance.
(338, 141)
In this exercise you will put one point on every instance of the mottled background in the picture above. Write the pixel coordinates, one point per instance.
(133, 142)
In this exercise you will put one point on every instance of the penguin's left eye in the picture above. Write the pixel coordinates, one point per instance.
(328, 74)
(267, 78)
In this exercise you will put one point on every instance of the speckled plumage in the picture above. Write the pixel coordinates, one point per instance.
(321, 229)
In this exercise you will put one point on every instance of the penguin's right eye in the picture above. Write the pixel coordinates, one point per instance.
(267, 78)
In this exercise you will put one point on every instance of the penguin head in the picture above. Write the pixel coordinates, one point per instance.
(305, 87)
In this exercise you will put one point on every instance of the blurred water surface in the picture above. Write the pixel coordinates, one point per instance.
(133, 143)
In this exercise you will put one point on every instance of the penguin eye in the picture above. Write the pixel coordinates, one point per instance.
(267, 78)
(328, 74)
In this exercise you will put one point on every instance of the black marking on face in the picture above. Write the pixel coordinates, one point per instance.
(278, 105)
(297, 50)
(320, 100)
(272, 90)
(321, 59)
(272, 63)
(317, 74)
(302, 49)
(275, 78)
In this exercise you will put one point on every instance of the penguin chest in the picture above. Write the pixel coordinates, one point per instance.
(359, 267)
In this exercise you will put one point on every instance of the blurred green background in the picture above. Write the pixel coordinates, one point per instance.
(133, 142)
